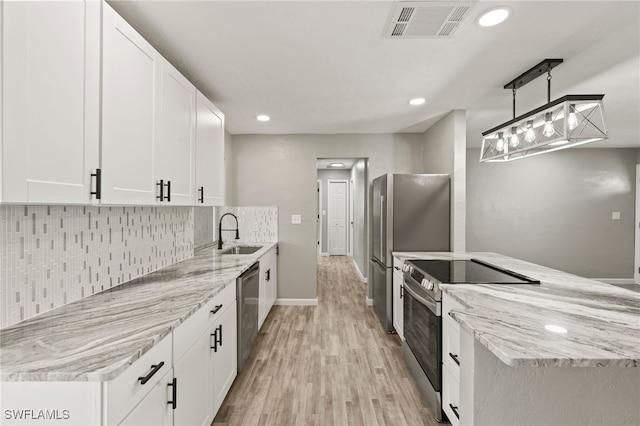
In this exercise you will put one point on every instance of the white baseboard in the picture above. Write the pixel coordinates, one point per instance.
(362, 277)
(615, 280)
(369, 302)
(297, 302)
(324, 254)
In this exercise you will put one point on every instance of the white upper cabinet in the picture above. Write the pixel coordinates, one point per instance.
(174, 152)
(50, 101)
(210, 181)
(130, 80)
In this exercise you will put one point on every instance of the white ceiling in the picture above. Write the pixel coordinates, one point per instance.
(324, 66)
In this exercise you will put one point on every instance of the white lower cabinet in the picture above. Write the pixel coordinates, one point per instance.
(451, 360)
(268, 284)
(225, 359)
(156, 408)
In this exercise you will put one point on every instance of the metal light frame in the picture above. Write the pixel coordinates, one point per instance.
(563, 123)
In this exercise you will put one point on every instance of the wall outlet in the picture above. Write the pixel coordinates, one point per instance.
(615, 215)
(296, 219)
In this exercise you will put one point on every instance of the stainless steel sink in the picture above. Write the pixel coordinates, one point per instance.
(241, 250)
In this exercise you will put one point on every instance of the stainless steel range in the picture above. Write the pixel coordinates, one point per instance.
(422, 346)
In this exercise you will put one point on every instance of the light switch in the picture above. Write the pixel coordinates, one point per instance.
(615, 215)
(296, 219)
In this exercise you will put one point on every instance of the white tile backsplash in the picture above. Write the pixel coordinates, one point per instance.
(54, 255)
(255, 224)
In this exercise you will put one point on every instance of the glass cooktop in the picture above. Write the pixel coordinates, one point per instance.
(472, 271)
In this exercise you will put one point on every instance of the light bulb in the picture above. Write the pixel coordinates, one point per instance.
(500, 143)
(548, 130)
(514, 139)
(572, 121)
(530, 134)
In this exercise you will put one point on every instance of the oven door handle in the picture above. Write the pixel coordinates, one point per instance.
(431, 304)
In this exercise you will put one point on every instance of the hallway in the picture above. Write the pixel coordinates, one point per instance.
(330, 364)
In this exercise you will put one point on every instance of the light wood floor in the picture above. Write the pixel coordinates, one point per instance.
(330, 364)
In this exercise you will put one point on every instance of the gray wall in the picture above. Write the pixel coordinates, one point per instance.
(281, 170)
(324, 176)
(445, 152)
(359, 253)
(555, 210)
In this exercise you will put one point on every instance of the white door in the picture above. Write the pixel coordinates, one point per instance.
(174, 148)
(130, 73)
(337, 217)
(210, 172)
(51, 105)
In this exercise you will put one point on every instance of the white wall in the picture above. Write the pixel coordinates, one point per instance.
(281, 170)
(555, 210)
(445, 152)
(359, 252)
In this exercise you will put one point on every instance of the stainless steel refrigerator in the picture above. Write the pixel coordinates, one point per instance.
(408, 213)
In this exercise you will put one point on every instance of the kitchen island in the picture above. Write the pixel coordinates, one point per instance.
(563, 352)
(74, 362)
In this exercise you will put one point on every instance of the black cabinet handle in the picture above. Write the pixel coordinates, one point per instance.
(455, 410)
(98, 191)
(219, 335)
(174, 393)
(154, 370)
(201, 191)
(216, 309)
(215, 340)
(396, 268)
(454, 358)
(401, 291)
(168, 197)
(267, 275)
(161, 185)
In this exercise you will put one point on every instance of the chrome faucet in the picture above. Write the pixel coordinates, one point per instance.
(220, 229)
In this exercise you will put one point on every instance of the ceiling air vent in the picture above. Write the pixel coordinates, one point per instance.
(426, 19)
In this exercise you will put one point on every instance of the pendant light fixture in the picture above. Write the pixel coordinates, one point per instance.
(563, 123)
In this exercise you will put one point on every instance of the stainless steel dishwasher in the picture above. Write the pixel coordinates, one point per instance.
(247, 289)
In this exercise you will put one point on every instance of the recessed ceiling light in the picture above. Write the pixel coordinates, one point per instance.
(337, 164)
(417, 101)
(263, 117)
(494, 16)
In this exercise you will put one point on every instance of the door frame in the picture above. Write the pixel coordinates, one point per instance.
(319, 216)
(636, 269)
(346, 215)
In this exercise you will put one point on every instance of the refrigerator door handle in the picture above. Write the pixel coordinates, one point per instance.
(383, 255)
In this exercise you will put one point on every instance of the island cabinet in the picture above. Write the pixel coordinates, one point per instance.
(451, 359)
(398, 298)
(268, 284)
(210, 181)
(50, 113)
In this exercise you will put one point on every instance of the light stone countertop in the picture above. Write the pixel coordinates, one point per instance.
(98, 337)
(602, 320)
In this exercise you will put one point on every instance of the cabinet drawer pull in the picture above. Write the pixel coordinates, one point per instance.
(168, 197)
(98, 191)
(216, 309)
(401, 291)
(154, 370)
(161, 185)
(174, 393)
(454, 408)
(267, 275)
(454, 358)
(201, 191)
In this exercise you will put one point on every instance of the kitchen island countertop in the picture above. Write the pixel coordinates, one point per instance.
(602, 321)
(98, 337)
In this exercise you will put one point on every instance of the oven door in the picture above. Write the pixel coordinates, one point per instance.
(423, 331)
